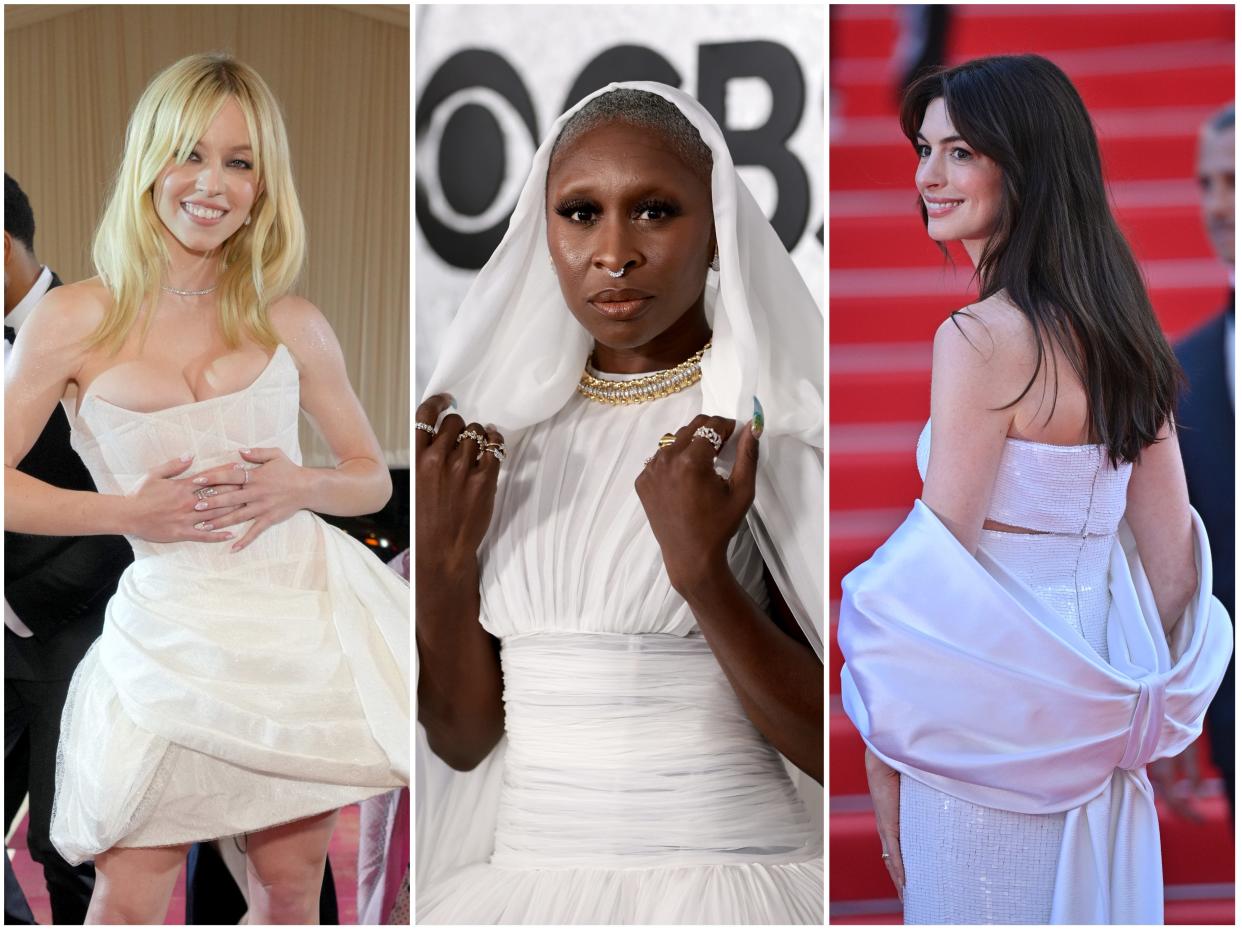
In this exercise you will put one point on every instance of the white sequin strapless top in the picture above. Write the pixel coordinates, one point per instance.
(1054, 489)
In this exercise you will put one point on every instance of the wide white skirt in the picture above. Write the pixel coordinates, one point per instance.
(631, 788)
(215, 704)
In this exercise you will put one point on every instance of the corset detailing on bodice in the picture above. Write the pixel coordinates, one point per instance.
(634, 751)
(120, 446)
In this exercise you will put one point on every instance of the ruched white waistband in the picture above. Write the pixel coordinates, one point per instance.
(633, 751)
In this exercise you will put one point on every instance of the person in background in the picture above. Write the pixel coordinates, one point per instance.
(55, 591)
(1205, 432)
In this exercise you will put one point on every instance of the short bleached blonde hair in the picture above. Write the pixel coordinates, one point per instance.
(261, 261)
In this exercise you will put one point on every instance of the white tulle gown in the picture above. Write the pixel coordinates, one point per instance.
(634, 787)
(967, 863)
(229, 691)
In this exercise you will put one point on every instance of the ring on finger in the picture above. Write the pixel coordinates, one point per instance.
(203, 526)
(496, 449)
(479, 439)
(203, 494)
(245, 475)
(706, 433)
(667, 440)
(423, 425)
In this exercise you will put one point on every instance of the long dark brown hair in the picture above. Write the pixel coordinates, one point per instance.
(1057, 251)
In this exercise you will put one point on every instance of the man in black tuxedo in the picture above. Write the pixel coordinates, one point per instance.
(55, 592)
(1205, 415)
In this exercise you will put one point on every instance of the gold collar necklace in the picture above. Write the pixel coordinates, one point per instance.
(648, 388)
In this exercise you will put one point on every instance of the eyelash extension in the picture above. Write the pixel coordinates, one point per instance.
(568, 208)
(668, 208)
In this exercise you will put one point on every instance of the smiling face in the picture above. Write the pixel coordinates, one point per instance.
(205, 200)
(619, 197)
(961, 188)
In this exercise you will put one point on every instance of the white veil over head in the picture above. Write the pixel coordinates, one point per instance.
(514, 353)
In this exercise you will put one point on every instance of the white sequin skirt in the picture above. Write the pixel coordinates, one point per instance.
(968, 864)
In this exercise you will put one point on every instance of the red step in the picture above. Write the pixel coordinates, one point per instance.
(987, 30)
(1206, 84)
(854, 537)
(866, 397)
(883, 479)
(1216, 912)
(1213, 912)
(877, 919)
(871, 31)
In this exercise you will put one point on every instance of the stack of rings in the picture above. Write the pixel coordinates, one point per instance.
(485, 446)
(203, 494)
(702, 433)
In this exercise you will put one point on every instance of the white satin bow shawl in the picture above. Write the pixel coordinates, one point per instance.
(514, 353)
(958, 676)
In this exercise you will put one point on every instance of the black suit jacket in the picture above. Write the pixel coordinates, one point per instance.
(1205, 434)
(58, 586)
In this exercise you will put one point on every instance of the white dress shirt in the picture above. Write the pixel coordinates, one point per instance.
(15, 318)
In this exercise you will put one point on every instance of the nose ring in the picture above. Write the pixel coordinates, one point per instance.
(618, 273)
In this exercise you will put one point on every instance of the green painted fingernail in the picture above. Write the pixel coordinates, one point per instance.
(756, 424)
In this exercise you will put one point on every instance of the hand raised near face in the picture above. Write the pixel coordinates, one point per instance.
(456, 470)
(693, 511)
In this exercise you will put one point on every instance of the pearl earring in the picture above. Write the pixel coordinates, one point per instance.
(247, 223)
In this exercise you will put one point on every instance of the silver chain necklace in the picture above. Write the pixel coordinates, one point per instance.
(187, 294)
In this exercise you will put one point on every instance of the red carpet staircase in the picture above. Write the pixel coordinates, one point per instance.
(1149, 76)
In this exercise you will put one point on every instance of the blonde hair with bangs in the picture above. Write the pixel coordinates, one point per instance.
(260, 262)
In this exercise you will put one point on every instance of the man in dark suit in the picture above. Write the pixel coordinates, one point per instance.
(55, 589)
(1205, 415)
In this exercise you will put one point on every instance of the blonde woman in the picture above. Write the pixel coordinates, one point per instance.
(252, 676)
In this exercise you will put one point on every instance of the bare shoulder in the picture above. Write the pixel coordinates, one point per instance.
(992, 331)
(304, 330)
(987, 348)
(69, 314)
(293, 316)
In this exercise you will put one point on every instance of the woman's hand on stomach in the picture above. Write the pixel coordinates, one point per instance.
(266, 488)
(169, 507)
